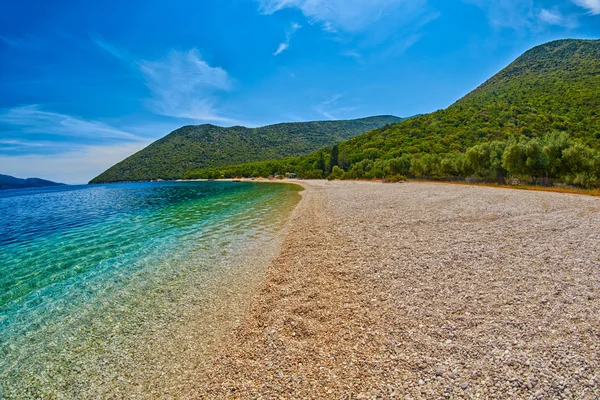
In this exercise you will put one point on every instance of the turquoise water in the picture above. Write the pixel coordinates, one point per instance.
(86, 271)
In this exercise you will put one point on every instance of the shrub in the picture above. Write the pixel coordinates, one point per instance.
(394, 178)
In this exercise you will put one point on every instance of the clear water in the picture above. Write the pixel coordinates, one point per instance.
(86, 271)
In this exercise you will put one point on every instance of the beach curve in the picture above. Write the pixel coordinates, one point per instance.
(422, 291)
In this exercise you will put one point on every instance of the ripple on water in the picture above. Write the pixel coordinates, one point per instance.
(90, 274)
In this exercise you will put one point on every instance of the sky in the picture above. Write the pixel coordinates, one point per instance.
(84, 84)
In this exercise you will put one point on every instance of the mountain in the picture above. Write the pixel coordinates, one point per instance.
(552, 87)
(195, 147)
(537, 118)
(10, 182)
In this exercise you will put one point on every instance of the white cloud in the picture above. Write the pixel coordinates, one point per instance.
(521, 15)
(551, 17)
(593, 6)
(288, 37)
(10, 144)
(516, 14)
(332, 100)
(182, 85)
(110, 49)
(347, 15)
(331, 109)
(555, 17)
(369, 30)
(32, 119)
(69, 167)
(282, 47)
(352, 53)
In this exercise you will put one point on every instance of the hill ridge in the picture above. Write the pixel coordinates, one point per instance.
(198, 146)
(10, 182)
(539, 117)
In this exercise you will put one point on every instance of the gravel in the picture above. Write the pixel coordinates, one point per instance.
(419, 290)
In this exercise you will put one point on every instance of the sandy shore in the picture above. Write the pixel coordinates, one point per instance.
(423, 291)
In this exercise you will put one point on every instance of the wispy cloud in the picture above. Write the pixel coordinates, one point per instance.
(347, 15)
(555, 17)
(32, 119)
(17, 144)
(288, 37)
(593, 6)
(282, 47)
(529, 15)
(184, 86)
(352, 54)
(331, 108)
(12, 41)
(117, 53)
(181, 85)
(515, 14)
(332, 100)
(370, 30)
(76, 166)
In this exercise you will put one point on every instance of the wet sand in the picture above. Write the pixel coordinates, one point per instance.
(421, 290)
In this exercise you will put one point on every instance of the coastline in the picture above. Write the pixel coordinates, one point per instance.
(148, 334)
(421, 290)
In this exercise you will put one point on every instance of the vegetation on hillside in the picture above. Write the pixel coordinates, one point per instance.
(536, 160)
(194, 147)
(538, 119)
(10, 182)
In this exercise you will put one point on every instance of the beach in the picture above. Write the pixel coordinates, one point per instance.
(422, 290)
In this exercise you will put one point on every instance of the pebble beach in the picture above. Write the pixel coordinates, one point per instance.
(422, 291)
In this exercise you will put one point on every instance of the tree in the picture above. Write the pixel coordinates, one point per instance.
(513, 159)
(579, 163)
(451, 165)
(334, 158)
(320, 164)
(336, 173)
(478, 158)
(496, 168)
(536, 163)
(400, 165)
(554, 146)
(426, 166)
(343, 161)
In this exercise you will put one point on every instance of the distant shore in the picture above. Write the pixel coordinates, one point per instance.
(423, 291)
(553, 189)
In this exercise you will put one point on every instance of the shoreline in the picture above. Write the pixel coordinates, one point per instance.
(550, 189)
(421, 290)
(150, 337)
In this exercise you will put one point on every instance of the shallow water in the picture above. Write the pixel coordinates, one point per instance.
(90, 275)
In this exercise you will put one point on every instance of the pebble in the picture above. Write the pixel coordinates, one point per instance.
(460, 262)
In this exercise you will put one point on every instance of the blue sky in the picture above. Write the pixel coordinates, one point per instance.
(84, 84)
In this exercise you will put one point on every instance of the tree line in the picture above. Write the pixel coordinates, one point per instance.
(539, 161)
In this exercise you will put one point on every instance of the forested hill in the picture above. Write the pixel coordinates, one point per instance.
(194, 147)
(552, 87)
(537, 118)
(10, 182)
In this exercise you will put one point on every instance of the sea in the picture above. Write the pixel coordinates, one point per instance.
(122, 290)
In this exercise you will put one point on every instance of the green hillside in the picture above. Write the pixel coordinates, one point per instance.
(537, 118)
(194, 147)
(552, 87)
